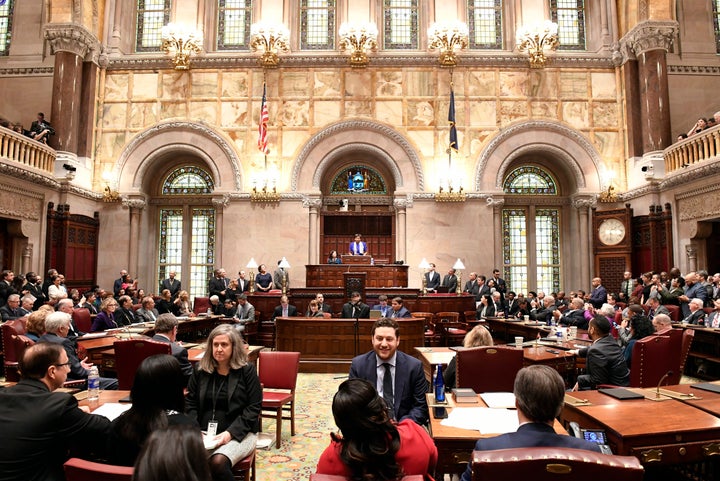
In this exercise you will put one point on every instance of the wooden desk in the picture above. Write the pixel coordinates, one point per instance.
(657, 433)
(105, 397)
(705, 348)
(455, 445)
(331, 275)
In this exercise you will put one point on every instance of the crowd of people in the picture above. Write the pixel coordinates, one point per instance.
(40, 129)
(701, 124)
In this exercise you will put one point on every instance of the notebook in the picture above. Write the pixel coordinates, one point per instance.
(707, 386)
(620, 393)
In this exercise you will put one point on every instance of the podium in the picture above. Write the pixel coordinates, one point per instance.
(356, 260)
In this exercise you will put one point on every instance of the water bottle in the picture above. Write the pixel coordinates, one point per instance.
(93, 385)
(372, 261)
(439, 385)
(559, 335)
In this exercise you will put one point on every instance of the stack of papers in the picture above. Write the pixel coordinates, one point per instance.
(499, 400)
(112, 410)
(485, 420)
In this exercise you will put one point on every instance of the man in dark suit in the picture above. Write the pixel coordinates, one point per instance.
(6, 287)
(171, 284)
(382, 306)
(539, 397)
(605, 362)
(117, 285)
(574, 316)
(284, 309)
(243, 283)
(36, 441)
(512, 304)
(432, 279)
(166, 331)
(655, 308)
(355, 309)
(147, 313)
(472, 286)
(544, 310)
(397, 309)
(322, 305)
(450, 280)
(598, 295)
(33, 286)
(218, 284)
(500, 284)
(405, 387)
(696, 316)
(11, 310)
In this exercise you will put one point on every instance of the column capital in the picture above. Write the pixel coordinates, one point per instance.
(134, 204)
(73, 38)
(311, 202)
(691, 251)
(648, 35)
(583, 203)
(221, 202)
(495, 203)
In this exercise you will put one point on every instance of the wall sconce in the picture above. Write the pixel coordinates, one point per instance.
(459, 266)
(609, 194)
(252, 265)
(181, 42)
(358, 39)
(265, 187)
(269, 39)
(536, 40)
(450, 190)
(449, 38)
(109, 194)
(284, 265)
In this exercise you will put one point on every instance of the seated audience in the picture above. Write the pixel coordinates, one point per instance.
(372, 445)
(640, 327)
(662, 324)
(173, 454)
(573, 316)
(229, 308)
(166, 328)
(285, 309)
(157, 402)
(478, 336)
(713, 319)
(696, 313)
(57, 290)
(40, 129)
(539, 397)
(124, 314)
(314, 310)
(245, 311)
(89, 303)
(397, 309)
(605, 362)
(165, 303)
(334, 258)
(355, 308)
(183, 307)
(216, 307)
(40, 426)
(35, 326)
(106, 318)
(147, 313)
(11, 310)
(382, 306)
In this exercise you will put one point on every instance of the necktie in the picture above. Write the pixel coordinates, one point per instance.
(152, 316)
(285, 312)
(388, 389)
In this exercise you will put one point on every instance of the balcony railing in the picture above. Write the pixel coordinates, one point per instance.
(26, 151)
(696, 148)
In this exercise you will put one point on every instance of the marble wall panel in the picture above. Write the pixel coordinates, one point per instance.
(292, 142)
(116, 86)
(325, 112)
(421, 112)
(481, 84)
(513, 84)
(389, 112)
(576, 114)
(573, 85)
(295, 84)
(512, 111)
(114, 116)
(542, 84)
(476, 139)
(294, 113)
(547, 110)
(388, 83)
(603, 85)
(111, 144)
(421, 83)
(359, 108)
(234, 114)
(483, 113)
(143, 114)
(358, 84)
(204, 111)
(171, 110)
(609, 144)
(204, 84)
(234, 84)
(326, 83)
(144, 86)
(175, 85)
(424, 141)
(605, 114)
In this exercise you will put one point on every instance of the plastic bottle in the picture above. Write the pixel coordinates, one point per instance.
(372, 261)
(439, 385)
(93, 384)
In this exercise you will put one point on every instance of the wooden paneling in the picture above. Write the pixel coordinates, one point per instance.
(331, 275)
(652, 240)
(377, 229)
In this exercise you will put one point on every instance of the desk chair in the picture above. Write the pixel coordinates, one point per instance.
(553, 464)
(489, 368)
(451, 329)
(652, 358)
(11, 329)
(80, 470)
(130, 353)
(201, 305)
(20, 343)
(432, 336)
(687, 339)
(278, 376)
(245, 468)
(82, 320)
(674, 312)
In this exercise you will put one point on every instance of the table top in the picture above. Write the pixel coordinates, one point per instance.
(531, 354)
(105, 397)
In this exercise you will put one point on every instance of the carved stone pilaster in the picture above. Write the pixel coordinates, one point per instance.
(312, 202)
(581, 203)
(134, 204)
(649, 35)
(68, 37)
(495, 203)
(403, 203)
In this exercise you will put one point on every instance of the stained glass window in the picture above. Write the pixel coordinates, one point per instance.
(570, 18)
(358, 179)
(716, 23)
(6, 16)
(530, 179)
(234, 19)
(170, 243)
(485, 23)
(317, 24)
(188, 180)
(400, 24)
(202, 250)
(515, 249)
(547, 250)
(152, 15)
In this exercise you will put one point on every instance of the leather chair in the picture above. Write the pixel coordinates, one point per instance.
(10, 356)
(451, 330)
(432, 336)
(687, 339)
(201, 305)
(245, 468)
(488, 368)
(674, 312)
(278, 376)
(130, 353)
(82, 319)
(77, 469)
(20, 343)
(553, 464)
(652, 358)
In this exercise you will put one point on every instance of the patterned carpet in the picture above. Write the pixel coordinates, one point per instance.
(298, 455)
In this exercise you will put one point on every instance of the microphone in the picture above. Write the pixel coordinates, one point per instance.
(657, 393)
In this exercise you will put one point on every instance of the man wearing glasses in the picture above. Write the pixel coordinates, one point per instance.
(40, 426)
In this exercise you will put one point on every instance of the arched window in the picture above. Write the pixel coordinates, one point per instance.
(531, 240)
(570, 18)
(186, 240)
(6, 16)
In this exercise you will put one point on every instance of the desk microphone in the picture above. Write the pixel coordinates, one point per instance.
(657, 393)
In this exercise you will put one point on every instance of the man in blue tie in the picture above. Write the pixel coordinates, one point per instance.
(382, 305)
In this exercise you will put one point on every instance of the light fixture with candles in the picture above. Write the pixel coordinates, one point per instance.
(449, 38)
(269, 39)
(536, 40)
(358, 39)
(110, 194)
(284, 265)
(458, 266)
(181, 42)
(264, 188)
(424, 265)
(252, 265)
(608, 195)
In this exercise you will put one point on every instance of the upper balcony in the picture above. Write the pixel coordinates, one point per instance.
(25, 151)
(697, 148)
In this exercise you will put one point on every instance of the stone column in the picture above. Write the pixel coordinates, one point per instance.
(691, 253)
(219, 204)
(313, 204)
(136, 207)
(401, 206)
(583, 206)
(497, 204)
(70, 44)
(27, 257)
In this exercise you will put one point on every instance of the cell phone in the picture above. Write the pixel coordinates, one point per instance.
(596, 436)
(440, 412)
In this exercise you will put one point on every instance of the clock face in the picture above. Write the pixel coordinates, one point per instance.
(611, 232)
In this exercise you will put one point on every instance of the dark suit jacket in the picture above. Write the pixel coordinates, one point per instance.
(472, 287)
(542, 314)
(489, 311)
(605, 364)
(410, 384)
(432, 280)
(124, 317)
(245, 285)
(8, 314)
(403, 312)
(598, 297)
(695, 317)
(36, 441)
(36, 291)
(174, 288)
(574, 317)
(117, 285)
(378, 307)
(143, 315)
(180, 353)
(76, 369)
(450, 282)
(360, 311)
(292, 311)
(5, 291)
(529, 435)
(215, 287)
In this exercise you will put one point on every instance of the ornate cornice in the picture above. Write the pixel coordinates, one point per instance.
(313, 202)
(365, 200)
(583, 202)
(694, 172)
(694, 69)
(649, 35)
(26, 71)
(73, 38)
(23, 172)
(20, 203)
(67, 187)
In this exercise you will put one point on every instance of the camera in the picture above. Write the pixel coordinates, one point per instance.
(646, 168)
(69, 168)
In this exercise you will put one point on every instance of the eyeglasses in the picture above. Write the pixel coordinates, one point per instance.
(63, 364)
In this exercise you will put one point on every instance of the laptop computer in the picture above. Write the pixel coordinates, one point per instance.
(442, 289)
(375, 313)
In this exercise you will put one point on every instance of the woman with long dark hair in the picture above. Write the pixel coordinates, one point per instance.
(372, 446)
(157, 402)
(173, 454)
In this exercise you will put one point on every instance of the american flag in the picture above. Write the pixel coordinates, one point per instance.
(262, 128)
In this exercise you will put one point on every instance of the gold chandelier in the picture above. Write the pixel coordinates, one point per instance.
(269, 39)
(536, 40)
(358, 39)
(181, 42)
(265, 186)
(448, 38)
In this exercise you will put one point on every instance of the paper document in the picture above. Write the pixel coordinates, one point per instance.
(112, 410)
(504, 400)
(210, 442)
(485, 420)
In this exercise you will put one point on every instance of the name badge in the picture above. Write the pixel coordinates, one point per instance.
(212, 428)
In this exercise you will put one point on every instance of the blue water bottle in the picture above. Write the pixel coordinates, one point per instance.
(439, 385)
